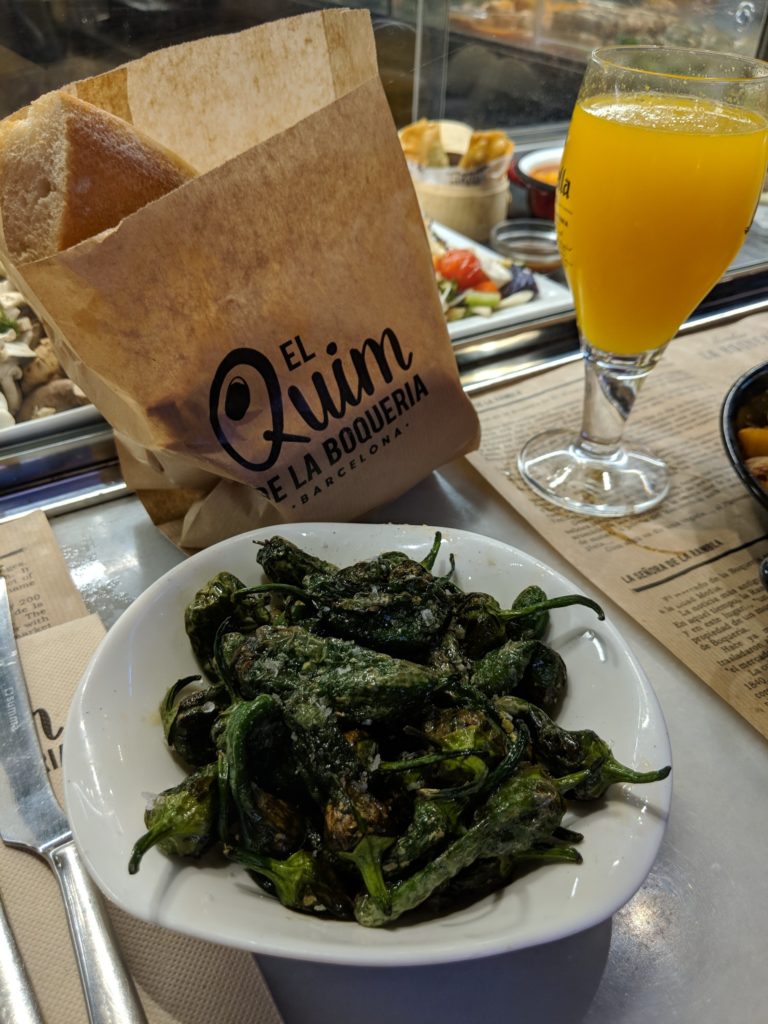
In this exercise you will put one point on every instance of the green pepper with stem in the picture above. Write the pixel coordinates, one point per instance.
(521, 812)
(366, 857)
(483, 624)
(568, 750)
(528, 621)
(182, 820)
(285, 562)
(459, 729)
(301, 882)
(485, 877)
(481, 768)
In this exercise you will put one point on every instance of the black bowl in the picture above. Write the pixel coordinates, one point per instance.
(735, 413)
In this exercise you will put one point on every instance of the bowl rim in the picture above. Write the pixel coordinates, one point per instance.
(733, 400)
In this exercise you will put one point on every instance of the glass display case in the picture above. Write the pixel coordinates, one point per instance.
(509, 65)
(510, 61)
(573, 27)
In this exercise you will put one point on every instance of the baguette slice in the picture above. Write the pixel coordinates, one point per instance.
(69, 170)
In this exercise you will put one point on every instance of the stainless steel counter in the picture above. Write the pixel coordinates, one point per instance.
(686, 949)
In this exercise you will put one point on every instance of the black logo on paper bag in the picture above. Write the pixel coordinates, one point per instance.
(246, 382)
(355, 388)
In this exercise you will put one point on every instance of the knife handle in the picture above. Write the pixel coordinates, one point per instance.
(17, 1000)
(110, 995)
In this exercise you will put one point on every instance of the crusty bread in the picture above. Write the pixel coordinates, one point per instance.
(69, 170)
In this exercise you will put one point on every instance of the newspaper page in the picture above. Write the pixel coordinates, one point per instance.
(688, 570)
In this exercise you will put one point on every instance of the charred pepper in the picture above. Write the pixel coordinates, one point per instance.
(529, 667)
(521, 812)
(391, 603)
(181, 820)
(483, 624)
(359, 683)
(214, 603)
(189, 720)
(285, 562)
(301, 882)
(254, 741)
(569, 750)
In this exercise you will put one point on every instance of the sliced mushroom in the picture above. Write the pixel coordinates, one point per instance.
(56, 396)
(43, 368)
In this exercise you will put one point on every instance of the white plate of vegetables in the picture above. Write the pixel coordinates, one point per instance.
(481, 290)
(285, 850)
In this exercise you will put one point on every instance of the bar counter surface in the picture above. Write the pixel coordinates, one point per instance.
(685, 950)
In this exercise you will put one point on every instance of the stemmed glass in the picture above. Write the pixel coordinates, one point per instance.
(662, 170)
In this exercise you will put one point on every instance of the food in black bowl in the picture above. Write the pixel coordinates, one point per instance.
(744, 429)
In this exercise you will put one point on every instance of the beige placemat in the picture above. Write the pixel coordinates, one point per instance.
(180, 980)
(688, 570)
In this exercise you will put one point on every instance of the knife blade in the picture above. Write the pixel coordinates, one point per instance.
(32, 819)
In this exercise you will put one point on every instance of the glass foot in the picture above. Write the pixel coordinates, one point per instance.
(625, 483)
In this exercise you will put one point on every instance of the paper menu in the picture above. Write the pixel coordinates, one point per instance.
(688, 570)
(40, 589)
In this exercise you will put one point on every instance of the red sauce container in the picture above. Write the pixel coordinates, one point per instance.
(536, 172)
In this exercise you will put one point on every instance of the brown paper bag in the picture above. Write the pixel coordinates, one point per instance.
(273, 324)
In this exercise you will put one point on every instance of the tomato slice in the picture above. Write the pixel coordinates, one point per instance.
(463, 267)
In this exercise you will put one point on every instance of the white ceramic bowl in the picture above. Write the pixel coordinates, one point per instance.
(115, 756)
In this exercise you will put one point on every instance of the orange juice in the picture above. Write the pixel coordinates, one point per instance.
(655, 195)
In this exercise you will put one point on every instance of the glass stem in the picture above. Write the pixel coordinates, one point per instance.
(612, 383)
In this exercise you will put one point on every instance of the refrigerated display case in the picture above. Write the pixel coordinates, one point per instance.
(575, 26)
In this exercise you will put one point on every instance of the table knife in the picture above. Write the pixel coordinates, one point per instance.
(32, 819)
